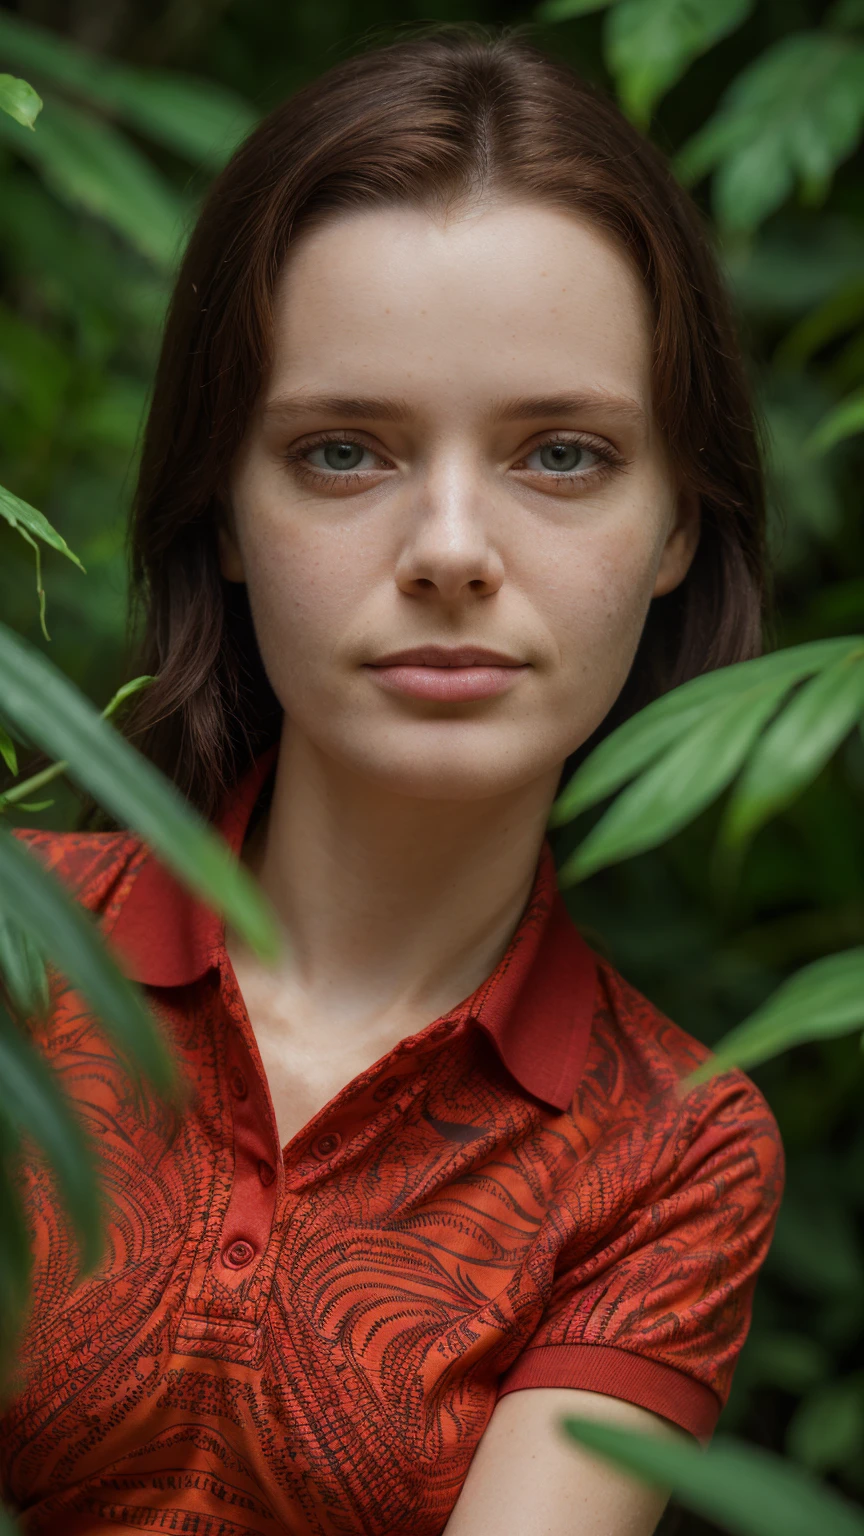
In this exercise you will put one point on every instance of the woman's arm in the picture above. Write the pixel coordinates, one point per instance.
(526, 1479)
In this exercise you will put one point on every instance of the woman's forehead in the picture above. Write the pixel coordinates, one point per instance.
(510, 300)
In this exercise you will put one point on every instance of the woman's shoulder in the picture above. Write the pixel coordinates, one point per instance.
(89, 864)
(653, 1056)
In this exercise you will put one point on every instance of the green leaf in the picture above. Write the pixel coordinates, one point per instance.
(827, 1430)
(22, 969)
(124, 693)
(650, 44)
(791, 116)
(34, 1102)
(678, 786)
(820, 1002)
(846, 13)
(747, 1491)
(641, 739)
(20, 100)
(832, 318)
(796, 747)
(7, 750)
(563, 10)
(195, 118)
(34, 525)
(37, 904)
(90, 165)
(845, 420)
(36, 697)
(17, 794)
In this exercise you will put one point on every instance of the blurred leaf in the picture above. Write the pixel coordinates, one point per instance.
(828, 1427)
(790, 116)
(16, 795)
(791, 1361)
(846, 13)
(22, 969)
(674, 790)
(7, 750)
(36, 697)
(35, 1104)
(562, 10)
(195, 118)
(747, 1491)
(20, 100)
(650, 43)
(803, 494)
(641, 739)
(821, 1001)
(35, 902)
(796, 747)
(834, 317)
(90, 165)
(846, 419)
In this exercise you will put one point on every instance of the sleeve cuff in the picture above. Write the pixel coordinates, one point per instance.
(660, 1388)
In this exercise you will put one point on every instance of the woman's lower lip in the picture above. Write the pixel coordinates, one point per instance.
(450, 684)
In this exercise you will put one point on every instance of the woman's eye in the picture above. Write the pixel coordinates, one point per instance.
(335, 456)
(562, 458)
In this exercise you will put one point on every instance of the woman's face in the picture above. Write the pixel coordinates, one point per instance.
(455, 448)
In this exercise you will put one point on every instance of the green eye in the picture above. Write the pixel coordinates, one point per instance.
(337, 455)
(563, 457)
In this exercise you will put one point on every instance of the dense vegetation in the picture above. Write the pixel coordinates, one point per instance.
(762, 103)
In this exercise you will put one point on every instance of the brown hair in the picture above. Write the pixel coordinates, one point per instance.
(447, 115)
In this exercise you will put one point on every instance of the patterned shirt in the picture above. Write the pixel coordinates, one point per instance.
(311, 1340)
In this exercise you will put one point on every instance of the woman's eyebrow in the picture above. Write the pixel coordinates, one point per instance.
(532, 407)
(520, 408)
(366, 409)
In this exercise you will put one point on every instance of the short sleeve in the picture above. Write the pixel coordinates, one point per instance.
(657, 1313)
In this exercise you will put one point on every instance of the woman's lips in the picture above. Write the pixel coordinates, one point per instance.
(448, 684)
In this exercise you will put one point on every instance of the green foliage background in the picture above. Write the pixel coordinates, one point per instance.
(762, 105)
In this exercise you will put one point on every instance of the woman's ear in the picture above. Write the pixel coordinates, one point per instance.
(230, 558)
(680, 546)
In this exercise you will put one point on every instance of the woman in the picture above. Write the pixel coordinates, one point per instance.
(449, 464)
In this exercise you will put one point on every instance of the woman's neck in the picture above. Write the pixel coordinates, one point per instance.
(395, 908)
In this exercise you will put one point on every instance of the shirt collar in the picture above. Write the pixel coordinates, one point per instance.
(536, 1007)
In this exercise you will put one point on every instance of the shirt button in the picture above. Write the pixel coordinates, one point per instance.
(387, 1089)
(238, 1084)
(266, 1172)
(238, 1254)
(327, 1144)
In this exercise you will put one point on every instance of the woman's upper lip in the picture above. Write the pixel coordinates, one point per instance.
(446, 656)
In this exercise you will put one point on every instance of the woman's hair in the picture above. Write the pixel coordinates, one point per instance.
(449, 116)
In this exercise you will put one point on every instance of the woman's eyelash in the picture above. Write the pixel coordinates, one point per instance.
(609, 457)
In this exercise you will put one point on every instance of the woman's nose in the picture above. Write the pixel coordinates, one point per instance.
(449, 548)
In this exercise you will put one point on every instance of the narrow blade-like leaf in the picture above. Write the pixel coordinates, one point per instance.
(820, 1002)
(20, 515)
(35, 1103)
(196, 118)
(91, 165)
(640, 740)
(7, 750)
(747, 1491)
(36, 697)
(22, 969)
(36, 902)
(796, 746)
(845, 420)
(674, 790)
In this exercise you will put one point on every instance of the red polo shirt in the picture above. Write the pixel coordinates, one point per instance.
(312, 1339)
